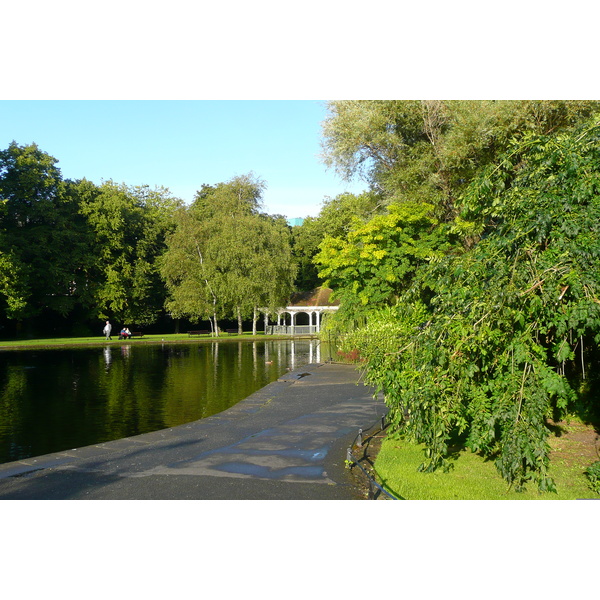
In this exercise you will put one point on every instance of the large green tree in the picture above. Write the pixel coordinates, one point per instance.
(226, 258)
(335, 219)
(129, 227)
(252, 254)
(375, 262)
(241, 195)
(39, 222)
(188, 276)
(429, 150)
(502, 335)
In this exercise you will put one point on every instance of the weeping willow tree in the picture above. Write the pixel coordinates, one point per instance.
(226, 259)
(488, 344)
(430, 150)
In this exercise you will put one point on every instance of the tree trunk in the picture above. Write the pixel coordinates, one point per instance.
(239, 319)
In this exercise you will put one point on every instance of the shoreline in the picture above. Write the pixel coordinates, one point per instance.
(40, 344)
(285, 441)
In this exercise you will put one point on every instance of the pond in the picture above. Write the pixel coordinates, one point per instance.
(53, 400)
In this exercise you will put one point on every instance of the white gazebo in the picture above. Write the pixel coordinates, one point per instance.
(311, 305)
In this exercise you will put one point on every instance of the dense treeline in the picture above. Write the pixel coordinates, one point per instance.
(73, 253)
(474, 295)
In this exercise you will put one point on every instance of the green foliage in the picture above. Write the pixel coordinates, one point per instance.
(335, 219)
(184, 271)
(129, 225)
(593, 475)
(116, 236)
(225, 258)
(75, 248)
(38, 224)
(241, 195)
(376, 261)
(428, 151)
(502, 345)
(12, 285)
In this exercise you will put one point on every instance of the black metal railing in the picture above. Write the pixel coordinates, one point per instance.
(352, 461)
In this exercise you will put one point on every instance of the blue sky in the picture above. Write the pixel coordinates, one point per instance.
(183, 144)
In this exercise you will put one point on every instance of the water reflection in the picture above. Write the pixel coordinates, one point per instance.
(107, 356)
(54, 400)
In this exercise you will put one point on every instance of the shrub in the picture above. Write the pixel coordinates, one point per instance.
(593, 474)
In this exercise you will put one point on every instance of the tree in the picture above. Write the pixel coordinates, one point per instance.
(494, 340)
(189, 278)
(430, 150)
(13, 288)
(225, 257)
(129, 227)
(253, 257)
(336, 218)
(271, 270)
(39, 221)
(241, 195)
(375, 262)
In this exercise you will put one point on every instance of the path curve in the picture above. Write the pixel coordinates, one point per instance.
(285, 441)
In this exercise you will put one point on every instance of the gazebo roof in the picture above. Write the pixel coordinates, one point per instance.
(317, 297)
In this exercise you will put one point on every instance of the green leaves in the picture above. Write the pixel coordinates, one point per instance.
(593, 475)
(128, 229)
(430, 150)
(224, 257)
(12, 285)
(377, 259)
(507, 329)
(38, 223)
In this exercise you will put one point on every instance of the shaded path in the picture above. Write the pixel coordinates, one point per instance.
(286, 441)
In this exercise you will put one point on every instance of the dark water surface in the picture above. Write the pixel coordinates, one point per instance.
(53, 400)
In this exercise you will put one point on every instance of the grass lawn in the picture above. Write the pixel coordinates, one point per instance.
(573, 448)
(100, 340)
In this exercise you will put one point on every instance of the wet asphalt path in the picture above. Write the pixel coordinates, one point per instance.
(286, 441)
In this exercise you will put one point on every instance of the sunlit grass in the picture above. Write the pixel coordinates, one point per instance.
(100, 340)
(471, 478)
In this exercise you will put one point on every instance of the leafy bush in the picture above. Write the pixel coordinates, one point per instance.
(593, 474)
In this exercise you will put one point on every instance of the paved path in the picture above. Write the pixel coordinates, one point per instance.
(286, 441)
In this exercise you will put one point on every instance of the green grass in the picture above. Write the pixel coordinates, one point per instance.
(471, 478)
(100, 340)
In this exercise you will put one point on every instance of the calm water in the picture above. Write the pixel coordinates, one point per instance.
(52, 400)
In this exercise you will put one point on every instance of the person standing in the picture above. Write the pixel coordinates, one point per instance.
(107, 329)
